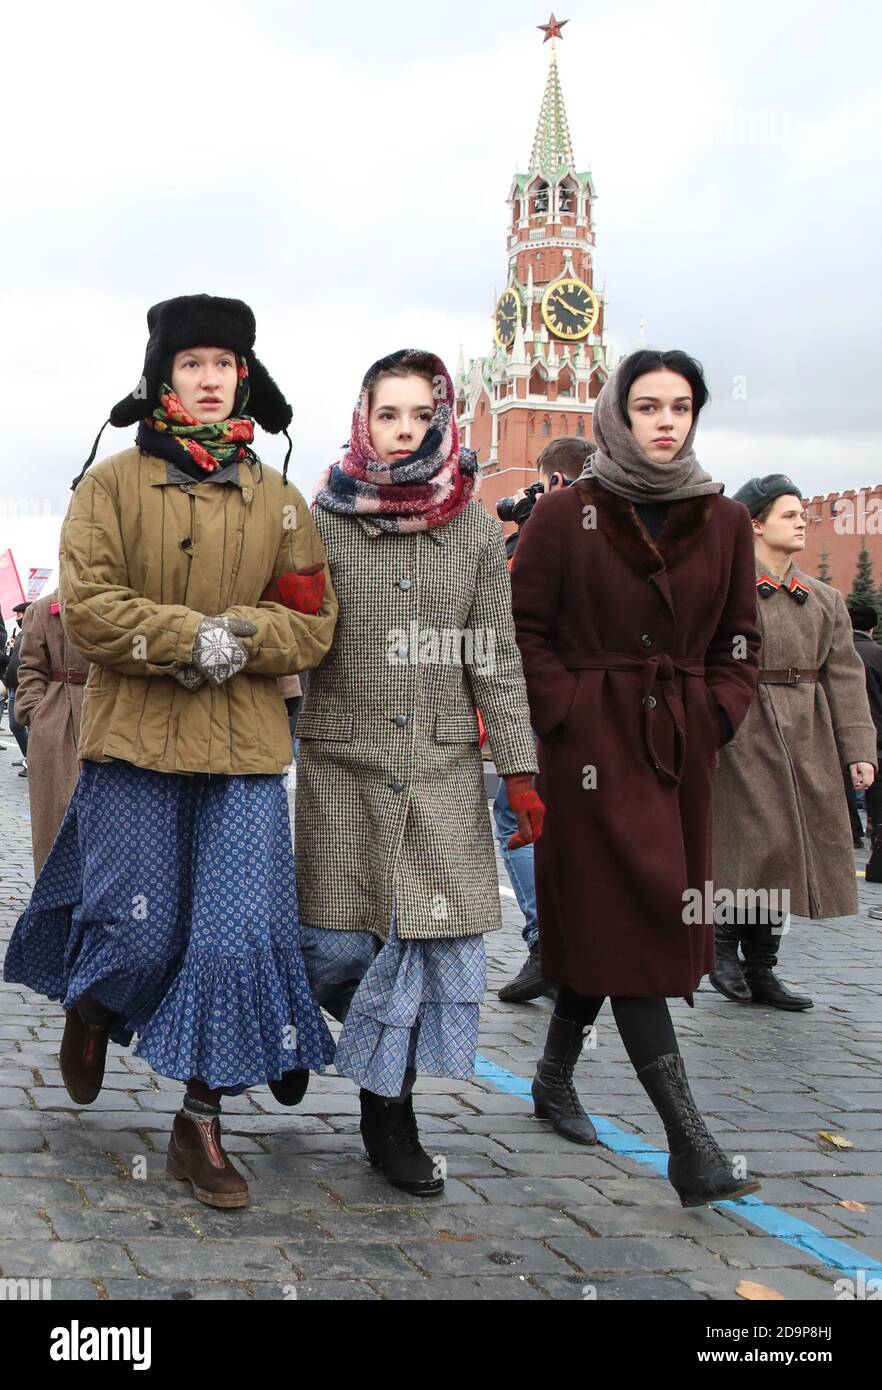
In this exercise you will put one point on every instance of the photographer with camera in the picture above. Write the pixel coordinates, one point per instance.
(560, 464)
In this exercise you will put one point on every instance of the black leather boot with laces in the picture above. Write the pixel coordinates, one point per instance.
(698, 1169)
(554, 1094)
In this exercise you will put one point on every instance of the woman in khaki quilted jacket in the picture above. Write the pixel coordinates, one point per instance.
(191, 577)
(395, 864)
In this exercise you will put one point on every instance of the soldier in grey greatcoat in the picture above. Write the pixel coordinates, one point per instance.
(782, 831)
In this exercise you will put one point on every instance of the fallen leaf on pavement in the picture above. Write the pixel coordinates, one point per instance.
(835, 1139)
(757, 1292)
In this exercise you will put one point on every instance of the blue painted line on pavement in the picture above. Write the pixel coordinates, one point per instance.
(792, 1230)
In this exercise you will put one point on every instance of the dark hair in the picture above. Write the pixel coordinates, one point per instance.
(567, 455)
(650, 360)
(863, 617)
(411, 363)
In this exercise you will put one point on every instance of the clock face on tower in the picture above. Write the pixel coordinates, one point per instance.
(570, 308)
(506, 317)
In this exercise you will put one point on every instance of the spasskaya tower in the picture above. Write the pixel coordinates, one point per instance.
(549, 355)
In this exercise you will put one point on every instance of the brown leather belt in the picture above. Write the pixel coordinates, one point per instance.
(792, 676)
(72, 677)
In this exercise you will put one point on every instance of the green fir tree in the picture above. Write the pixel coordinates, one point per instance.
(863, 590)
(824, 568)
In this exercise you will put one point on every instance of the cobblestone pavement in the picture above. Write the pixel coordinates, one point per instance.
(525, 1214)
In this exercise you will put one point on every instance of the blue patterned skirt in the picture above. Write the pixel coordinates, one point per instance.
(406, 1004)
(172, 901)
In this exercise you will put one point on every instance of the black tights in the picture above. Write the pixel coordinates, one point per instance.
(644, 1025)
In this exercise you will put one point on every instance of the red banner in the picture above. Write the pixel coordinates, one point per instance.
(11, 591)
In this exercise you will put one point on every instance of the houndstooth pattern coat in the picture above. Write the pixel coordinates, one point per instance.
(390, 791)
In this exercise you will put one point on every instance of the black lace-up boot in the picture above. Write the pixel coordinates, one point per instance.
(698, 1169)
(554, 1094)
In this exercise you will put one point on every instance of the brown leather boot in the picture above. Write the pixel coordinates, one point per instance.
(84, 1050)
(195, 1155)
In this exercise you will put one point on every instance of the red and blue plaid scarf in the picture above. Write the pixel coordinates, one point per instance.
(427, 489)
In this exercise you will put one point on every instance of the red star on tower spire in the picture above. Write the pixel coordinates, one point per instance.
(552, 28)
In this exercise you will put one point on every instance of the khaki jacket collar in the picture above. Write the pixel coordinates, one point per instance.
(163, 473)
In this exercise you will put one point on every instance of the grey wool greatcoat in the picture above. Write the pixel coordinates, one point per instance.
(781, 814)
(51, 710)
(630, 647)
(390, 791)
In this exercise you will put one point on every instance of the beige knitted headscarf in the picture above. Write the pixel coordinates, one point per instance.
(621, 465)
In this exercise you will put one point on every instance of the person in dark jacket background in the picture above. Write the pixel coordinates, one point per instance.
(4, 659)
(864, 619)
(10, 680)
(560, 464)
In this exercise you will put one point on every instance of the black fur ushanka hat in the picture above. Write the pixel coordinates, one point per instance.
(199, 320)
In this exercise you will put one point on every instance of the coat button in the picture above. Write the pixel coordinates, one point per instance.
(650, 701)
(402, 653)
(397, 786)
(404, 584)
(186, 543)
(647, 640)
(400, 720)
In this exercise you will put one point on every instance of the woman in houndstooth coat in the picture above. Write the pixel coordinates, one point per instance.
(395, 861)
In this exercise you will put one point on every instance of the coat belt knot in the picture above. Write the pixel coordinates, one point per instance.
(655, 670)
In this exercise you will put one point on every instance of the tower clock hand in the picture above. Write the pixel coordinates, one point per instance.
(575, 300)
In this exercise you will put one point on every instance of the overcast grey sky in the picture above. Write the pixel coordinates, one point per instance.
(344, 168)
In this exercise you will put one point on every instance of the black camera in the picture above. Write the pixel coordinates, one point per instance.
(507, 509)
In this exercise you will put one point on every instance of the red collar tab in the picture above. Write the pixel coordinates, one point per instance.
(766, 586)
(798, 591)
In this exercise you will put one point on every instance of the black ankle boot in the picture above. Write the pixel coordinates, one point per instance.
(554, 1095)
(527, 984)
(873, 871)
(698, 1169)
(392, 1140)
(290, 1088)
(727, 975)
(761, 956)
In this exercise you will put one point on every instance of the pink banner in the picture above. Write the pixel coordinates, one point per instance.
(11, 591)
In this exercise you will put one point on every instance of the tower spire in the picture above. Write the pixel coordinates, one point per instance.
(552, 147)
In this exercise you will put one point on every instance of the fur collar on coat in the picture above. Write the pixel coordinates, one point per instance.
(684, 525)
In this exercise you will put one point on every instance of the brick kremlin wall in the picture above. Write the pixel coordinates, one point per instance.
(859, 521)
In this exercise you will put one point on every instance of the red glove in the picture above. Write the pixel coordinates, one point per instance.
(528, 806)
(300, 590)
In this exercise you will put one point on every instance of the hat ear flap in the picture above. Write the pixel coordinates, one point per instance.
(137, 405)
(266, 402)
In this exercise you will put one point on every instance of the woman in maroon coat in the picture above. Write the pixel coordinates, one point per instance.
(635, 607)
